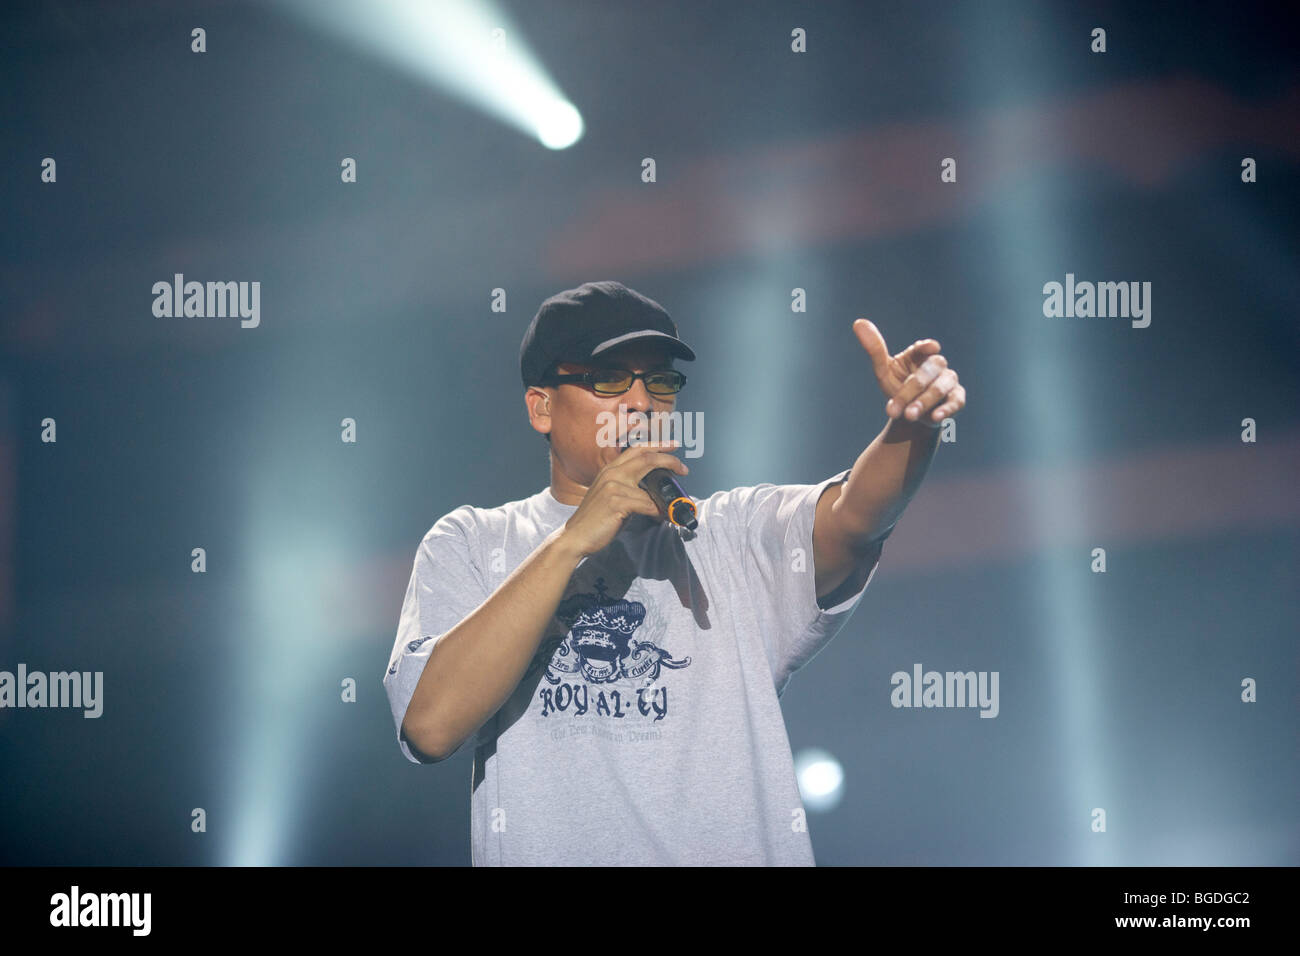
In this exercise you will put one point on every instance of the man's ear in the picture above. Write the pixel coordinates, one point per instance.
(536, 408)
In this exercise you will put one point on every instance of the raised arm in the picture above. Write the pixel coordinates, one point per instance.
(921, 391)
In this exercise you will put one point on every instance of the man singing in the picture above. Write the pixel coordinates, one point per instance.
(618, 674)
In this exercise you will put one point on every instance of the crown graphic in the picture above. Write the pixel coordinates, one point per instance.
(598, 611)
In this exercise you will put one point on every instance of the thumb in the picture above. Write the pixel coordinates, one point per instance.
(874, 343)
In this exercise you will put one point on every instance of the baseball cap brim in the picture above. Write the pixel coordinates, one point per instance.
(679, 348)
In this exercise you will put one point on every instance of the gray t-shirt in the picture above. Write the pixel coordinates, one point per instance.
(647, 730)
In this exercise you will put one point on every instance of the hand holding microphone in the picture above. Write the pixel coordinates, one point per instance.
(674, 504)
(627, 486)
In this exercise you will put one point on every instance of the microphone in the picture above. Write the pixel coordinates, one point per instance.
(661, 485)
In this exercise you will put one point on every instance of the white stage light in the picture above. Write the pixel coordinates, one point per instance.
(559, 126)
(821, 779)
(471, 49)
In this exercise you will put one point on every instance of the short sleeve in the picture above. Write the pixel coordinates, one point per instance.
(780, 568)
(445, 586)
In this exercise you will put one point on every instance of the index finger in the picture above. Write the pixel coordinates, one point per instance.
(651, 445)
(646, 458)
(919, 351)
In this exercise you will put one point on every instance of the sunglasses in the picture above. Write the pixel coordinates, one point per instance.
(616, 381)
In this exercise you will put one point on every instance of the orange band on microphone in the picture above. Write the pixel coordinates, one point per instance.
(672, 503)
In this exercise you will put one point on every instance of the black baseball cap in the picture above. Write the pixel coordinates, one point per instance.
(579, 324)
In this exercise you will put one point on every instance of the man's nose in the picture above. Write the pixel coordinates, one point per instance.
(638, 397)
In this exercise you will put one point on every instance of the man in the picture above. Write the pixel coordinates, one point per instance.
(618, 674)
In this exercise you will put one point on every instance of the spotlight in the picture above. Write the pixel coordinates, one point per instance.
(821, 779)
